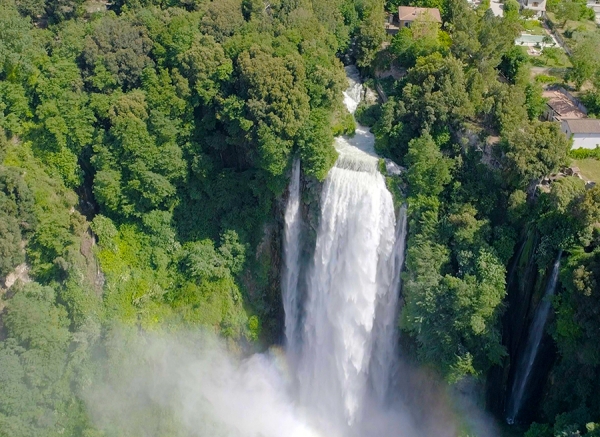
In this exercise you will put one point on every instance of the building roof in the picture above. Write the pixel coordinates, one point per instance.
(562, 105)
(530, 4)
(583, 125)
(409, 13)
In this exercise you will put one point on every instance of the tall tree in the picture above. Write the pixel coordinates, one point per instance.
(115, 54)
(428, 170)
(585, 60)
(533, 151)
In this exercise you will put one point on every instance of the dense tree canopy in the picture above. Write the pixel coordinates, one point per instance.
(143, 150)
(144, 155)
(534, 151)
(469, 201)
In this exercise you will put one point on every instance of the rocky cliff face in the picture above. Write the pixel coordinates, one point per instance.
(262, 278)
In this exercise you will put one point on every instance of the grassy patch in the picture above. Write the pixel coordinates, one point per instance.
(534, 27)
(552, 57)
(577, 26)
(567, 28)
(590, 168)
(545, 78)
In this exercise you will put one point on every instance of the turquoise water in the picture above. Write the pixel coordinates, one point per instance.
(529, 39)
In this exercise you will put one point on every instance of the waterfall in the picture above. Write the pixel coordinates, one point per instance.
(347, 341)
(523, 371)
(291, 248)
(351, 272)
(385, 331)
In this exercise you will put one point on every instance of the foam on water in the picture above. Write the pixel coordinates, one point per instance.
(348, 336)
(291, 245)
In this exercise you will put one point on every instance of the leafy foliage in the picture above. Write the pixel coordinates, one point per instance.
(422, 38)
(16, 218)
(145, 149)
(142, 150)
(585, 60)
(33, 361)
(115, 54)
(467, 199)
(534, 151)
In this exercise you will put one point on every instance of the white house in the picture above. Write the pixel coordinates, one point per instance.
(585, 132)
(538, 6)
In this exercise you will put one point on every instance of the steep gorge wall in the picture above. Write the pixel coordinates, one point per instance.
(262, 279)
(525, 289)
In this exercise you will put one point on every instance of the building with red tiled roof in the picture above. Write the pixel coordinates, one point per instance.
(408, 14)
(559, 106)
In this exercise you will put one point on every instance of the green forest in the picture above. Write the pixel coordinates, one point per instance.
(145, 152)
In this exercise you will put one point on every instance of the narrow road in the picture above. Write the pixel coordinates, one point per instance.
(497, 8)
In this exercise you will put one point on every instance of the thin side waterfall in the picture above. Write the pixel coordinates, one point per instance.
(291, 247)
(385, 331)
(523, 372)
(348, 336)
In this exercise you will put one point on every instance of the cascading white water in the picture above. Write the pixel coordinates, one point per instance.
(385, 331)
(351, 272)
(523, 372)
(349, 324)
(353, 95)
(342, 356)
(291, 246)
